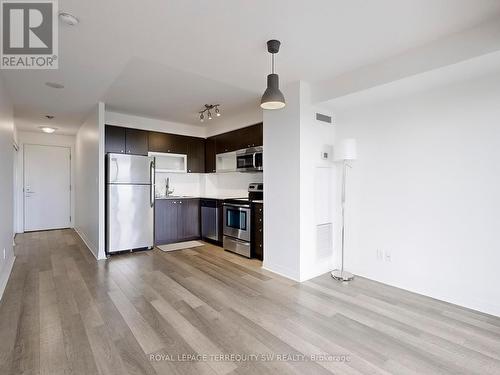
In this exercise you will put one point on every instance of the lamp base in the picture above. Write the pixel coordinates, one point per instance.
(342, 275)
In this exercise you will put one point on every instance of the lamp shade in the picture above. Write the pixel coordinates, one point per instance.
(273, 98)
(346, 150)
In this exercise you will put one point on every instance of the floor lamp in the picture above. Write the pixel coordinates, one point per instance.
(346, 153)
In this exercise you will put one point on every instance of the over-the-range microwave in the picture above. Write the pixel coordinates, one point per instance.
(249, 159)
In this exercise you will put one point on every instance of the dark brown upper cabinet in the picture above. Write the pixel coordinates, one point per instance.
(196, 155)
(210, 155)
(251, 136)
(126, 141)
(226, 142)
(136, 142)
(171, 143)
(114, 139)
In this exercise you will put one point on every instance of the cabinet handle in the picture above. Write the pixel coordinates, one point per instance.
(260, 230)
(260, 245)
(122, 151)
(260, 209)
(260, 220)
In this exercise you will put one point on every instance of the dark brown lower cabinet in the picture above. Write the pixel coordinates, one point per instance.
(176, 220)
(189, 218)
(258, 231)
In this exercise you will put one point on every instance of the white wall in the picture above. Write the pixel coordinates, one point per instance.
(317, 190)
(90, 181)
(282, 186)
(146, 123)
(299, 187)
(6, 186)
(426, 190)
(39, 138)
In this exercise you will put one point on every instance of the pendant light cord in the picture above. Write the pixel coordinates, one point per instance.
(272, 63)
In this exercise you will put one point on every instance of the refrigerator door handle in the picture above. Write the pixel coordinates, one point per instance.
(116, 170)
(152, 180)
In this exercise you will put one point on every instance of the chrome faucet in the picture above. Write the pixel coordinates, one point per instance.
(167, 187)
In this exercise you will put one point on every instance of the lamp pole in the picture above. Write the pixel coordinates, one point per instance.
(342, 275)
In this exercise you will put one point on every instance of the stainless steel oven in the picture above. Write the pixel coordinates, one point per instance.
(250, 159)
(237, 227)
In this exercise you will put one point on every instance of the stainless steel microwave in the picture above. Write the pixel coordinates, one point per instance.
(249, 159)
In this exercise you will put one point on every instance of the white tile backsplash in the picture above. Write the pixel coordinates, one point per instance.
(182, 183)
(230, 184)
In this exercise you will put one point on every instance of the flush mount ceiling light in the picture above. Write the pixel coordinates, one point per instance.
(54, 85)
(273, 98)
(68, 18)
(208, 108)
(47, 129)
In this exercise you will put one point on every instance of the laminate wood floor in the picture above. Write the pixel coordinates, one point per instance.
(206, 311)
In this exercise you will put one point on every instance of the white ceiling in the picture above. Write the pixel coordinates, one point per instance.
(166, 59)
(485, 65)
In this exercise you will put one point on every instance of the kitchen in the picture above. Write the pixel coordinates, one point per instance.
(165, 189)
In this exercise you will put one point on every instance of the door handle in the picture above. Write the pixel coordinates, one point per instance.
(152, 182)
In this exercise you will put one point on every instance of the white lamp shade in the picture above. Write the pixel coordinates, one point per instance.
(346, 150)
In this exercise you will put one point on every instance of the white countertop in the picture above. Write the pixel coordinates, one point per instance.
(219, 197)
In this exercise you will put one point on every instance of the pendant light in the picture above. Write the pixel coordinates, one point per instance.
(273, 98)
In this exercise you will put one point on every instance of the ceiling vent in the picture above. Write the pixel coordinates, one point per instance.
(324, 118)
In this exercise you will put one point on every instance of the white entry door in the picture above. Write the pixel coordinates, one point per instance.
(47, 187)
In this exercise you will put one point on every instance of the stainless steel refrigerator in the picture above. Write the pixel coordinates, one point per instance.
(130, 199)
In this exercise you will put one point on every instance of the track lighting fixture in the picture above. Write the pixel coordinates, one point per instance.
(207, 109)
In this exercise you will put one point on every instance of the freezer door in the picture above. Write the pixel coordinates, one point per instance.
(129, 169)
(130, 217)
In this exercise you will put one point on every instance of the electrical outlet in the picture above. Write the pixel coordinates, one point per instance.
(388, 256)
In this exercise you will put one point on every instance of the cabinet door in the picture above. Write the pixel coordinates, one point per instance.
(164, 142)
(225, 143)
(253, 135)
(196, 155)
(210, 155)
(114, 139)
(189, 219)
(258, 231)
(136, 141)
(158, 142)
(166, 224)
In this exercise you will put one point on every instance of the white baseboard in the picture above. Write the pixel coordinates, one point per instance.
(282, 271)
(93, 250)
(4, 277)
